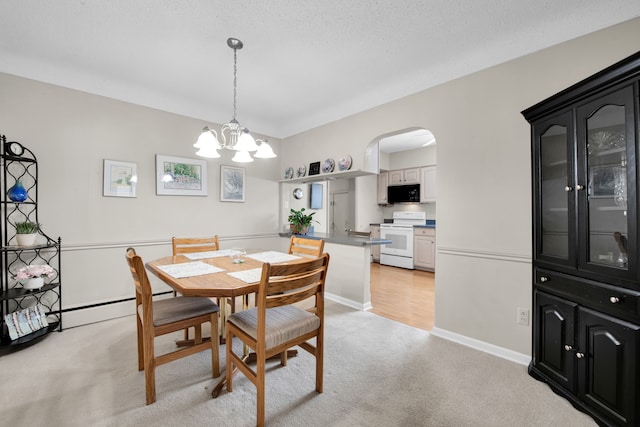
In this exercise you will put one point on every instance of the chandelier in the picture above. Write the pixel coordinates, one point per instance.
(232, 135)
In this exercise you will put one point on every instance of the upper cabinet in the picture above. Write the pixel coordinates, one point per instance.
(404, 176)
(425, 176)
(586, 208)
(428, 184)
(383, 183)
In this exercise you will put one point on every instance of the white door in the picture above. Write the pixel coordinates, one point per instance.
(340, 214)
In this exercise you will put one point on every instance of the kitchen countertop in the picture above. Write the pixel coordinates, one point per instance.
(342, 239)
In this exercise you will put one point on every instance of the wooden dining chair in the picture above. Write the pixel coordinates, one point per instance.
(306, 247)
(185, 245)
(155, 318)
(188, 245)
(275, 324)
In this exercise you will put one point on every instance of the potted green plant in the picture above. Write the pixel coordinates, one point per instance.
(299, 222)
(26, 232)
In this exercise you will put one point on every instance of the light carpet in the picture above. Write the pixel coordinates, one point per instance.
(377, 373)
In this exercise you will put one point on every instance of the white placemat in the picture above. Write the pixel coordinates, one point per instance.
(248, 276)
(272, 257)
(208, 254)
(189, 269)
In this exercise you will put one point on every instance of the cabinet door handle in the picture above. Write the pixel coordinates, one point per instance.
(568, 347)
(614, 300)
(579, 355)
(579, 187)
(544, 279)
(568, 188)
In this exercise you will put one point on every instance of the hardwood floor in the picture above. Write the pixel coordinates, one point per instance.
(403, 295)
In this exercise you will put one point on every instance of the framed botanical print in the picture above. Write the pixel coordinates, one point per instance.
(231, 184)
(179, 176)
(119, 179)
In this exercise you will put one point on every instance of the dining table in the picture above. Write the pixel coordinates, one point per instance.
(225, 273)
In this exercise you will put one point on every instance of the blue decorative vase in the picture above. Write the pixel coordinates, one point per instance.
(17, 193)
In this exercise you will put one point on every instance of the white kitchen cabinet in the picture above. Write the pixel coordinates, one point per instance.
(424, 248)
(375, 249)
(428, 184)
(404, 176)
(412, 176)
(383, 183)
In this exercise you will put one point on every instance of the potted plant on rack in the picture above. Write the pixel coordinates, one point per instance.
(32, 276)
(299, 222)
(26, 232)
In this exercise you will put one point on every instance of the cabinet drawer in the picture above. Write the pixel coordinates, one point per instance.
(422, 231)
(600, 296)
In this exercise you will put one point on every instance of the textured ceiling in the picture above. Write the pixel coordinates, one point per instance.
(304, 63)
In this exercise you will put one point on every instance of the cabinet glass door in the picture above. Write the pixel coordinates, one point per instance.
(606, 126)
(557, 198)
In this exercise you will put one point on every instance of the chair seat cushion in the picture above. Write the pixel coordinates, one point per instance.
(172, 310)
(283, 323)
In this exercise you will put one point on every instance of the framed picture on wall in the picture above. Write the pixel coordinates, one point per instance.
(179, 176)
(119, 179)
(231, 184)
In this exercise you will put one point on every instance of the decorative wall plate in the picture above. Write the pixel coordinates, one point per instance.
(288, 173)
(328, 166)
(302, 171)
(344, 164)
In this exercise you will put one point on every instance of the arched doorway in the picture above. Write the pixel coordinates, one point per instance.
(404, 295)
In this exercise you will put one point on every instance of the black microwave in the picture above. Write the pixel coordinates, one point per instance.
(403, 193)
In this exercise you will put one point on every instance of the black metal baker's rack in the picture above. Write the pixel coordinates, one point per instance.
(24, 167)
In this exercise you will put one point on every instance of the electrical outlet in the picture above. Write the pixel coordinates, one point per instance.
(523, 316)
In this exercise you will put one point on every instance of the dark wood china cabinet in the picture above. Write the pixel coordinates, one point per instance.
(586, 288)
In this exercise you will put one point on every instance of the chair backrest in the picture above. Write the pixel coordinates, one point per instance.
(141, 280)
(288, 283)
(306, 247)
(184, 245)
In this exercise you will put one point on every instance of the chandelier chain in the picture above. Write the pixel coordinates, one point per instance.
(235, 79)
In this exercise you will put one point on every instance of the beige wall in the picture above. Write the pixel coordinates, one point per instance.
(484, 242)
(71, 132)
(425, 156)
(483, 155)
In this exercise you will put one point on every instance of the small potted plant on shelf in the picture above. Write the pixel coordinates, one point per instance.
(32, 276)
(26, 232)
(299, 222)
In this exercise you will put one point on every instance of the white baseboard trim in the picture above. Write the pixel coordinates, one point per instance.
(348, 302)
(504, 353)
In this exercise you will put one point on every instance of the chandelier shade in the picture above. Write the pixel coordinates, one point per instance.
(264, 151)
(232, 135)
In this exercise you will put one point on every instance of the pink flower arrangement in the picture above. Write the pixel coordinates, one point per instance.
(32, 271)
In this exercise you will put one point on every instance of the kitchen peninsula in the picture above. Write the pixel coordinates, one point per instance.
(349, 274)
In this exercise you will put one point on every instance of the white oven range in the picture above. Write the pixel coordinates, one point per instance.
(399, 253)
